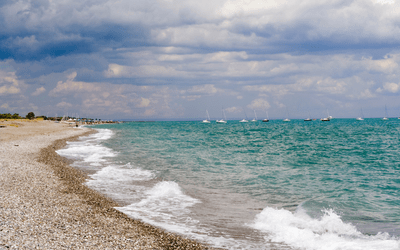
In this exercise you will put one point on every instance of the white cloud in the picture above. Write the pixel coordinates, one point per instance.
(27, 43)
(385, 1)
(209, 35)
(332, 86)
(326, 85)
(279, 90)
(234, 110)
(191, 97)
(259, 104)
(386, 65)
(144, 103)
(9, 84)
(366, 94)
(9, 90)
(204, 89)
(225, 56)
(71, 86)
(115, 70)
(39, 91)
(149, 112)
(389, 87)
(64, 105)
(239, 8)
(5, 106)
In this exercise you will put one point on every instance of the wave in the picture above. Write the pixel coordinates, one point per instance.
(88, 150)
(328, 232)
(164, 205)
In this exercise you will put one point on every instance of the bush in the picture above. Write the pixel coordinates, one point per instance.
(6, 116)
(30, 116)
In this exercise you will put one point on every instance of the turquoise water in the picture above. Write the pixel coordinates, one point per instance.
(283, 185)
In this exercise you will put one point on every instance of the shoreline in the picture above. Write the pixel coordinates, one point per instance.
(45, 204)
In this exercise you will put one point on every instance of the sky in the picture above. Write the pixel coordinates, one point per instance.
(175, 59)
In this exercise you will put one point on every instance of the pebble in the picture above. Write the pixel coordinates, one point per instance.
(44, 204)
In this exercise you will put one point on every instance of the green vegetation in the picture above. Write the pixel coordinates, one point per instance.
(10, 116)
(30, 116)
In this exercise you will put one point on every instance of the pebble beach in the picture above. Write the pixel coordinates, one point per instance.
(44, 203)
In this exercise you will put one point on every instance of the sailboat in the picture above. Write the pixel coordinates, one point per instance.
(266, 119)
(386, 115)
(222, 120)
(207, 120)
(328, 118)
(255, 117)
(286, 119)
(244, 120)
(361, 118)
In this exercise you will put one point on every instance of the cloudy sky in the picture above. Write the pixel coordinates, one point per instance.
(175, 59)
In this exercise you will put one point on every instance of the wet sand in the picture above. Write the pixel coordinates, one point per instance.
(44, 204)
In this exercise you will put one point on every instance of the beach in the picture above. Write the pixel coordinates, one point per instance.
(44, 203)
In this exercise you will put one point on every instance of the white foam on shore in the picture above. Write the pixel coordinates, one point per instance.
(326, 233)
(118, 182)
(164, 205)
(88, 150)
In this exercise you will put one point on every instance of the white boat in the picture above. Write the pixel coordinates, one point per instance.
(360, 118)
(207, 120)
(255, 117)
(266, 119)
(244, 120)
(308, 119)
(287, 119)
(386, 115)
(222, 120)
(328, 118)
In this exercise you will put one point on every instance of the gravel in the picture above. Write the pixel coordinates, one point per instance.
(44, 204)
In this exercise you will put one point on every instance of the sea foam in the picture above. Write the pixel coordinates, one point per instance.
(164, 205)
(328, 232)
(88, 149)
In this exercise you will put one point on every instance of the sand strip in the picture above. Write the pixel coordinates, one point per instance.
(43, 204)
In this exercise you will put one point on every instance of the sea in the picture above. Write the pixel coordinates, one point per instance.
(256, 185)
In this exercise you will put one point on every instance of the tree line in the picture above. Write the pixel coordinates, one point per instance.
(29, 116)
